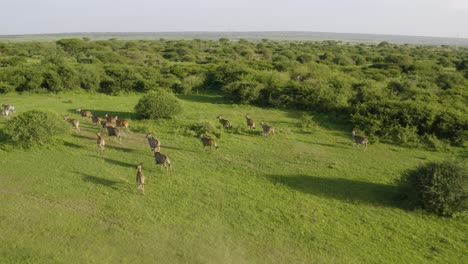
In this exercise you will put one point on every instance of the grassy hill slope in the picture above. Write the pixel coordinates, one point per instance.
(301, 196)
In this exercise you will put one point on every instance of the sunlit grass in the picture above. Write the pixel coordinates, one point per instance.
(301, 196)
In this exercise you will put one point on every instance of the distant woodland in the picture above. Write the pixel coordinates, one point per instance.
(401, 93)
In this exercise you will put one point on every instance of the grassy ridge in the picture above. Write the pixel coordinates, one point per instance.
(298, 197)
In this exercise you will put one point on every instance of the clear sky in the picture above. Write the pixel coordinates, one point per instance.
(440, 18)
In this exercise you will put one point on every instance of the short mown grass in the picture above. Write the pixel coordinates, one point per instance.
(301, 196)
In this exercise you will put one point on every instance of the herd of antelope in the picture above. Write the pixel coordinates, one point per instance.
(112, 125)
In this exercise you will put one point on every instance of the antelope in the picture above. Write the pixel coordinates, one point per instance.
(8, 108)
(108, 122)
(96, 120)
(74, 122)
(225, 123)
(250, 122)
(360, 140)
(122, 123)
(267, 129)
(113, 132)
(104, 123)
(111, 119)
(85, 113)
(5, 112)
(208, 142)
(161, 159)
(140, 179)
(154, 143)
(100, 141)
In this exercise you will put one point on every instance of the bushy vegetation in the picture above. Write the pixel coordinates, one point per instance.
(158, 104)
(207, 128)
(438, 187)
(34, 127)
(366, 82)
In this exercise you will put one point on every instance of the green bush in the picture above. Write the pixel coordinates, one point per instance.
(34, 128)
(306, 122)
(243, 92)
(438, 187)
(207, 128)
(158, 104)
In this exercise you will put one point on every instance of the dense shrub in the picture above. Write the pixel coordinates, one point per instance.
(158, 104)
(404, 93)
(207, 128)
(244, 91)
(405, 121)
(439, 187)
(34, 128)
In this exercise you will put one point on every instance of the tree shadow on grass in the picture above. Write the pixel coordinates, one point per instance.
(351, 191)
(202, 98)
(102, 113)
(5, 141)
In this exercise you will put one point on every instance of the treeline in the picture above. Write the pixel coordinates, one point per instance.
(408, 94)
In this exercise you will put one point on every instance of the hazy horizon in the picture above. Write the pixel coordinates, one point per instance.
(430, 18)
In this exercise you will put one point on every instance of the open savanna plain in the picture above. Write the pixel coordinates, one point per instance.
(300, 196)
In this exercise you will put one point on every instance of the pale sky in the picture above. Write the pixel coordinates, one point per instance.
(439, 18)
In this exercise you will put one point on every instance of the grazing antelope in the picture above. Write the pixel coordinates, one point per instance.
(267, 129)
(208, 142)
(225, 123)
(161, 159)
(113, 132)
(74, 122)
(100, 141)
(154, 143)
(360, 140)
(250, 122)
(140, 179)
(85, 113)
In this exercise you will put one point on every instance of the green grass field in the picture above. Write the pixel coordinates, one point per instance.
(301, 196)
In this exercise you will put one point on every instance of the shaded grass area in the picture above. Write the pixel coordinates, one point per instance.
(351, 191)
(297, 197)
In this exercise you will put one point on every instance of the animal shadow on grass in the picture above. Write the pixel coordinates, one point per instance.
(337, 145)
(175, 148)
(101, 181)
(351, 191)
(116, 162)
(71, 145)
(83, 137)
(121, 148)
